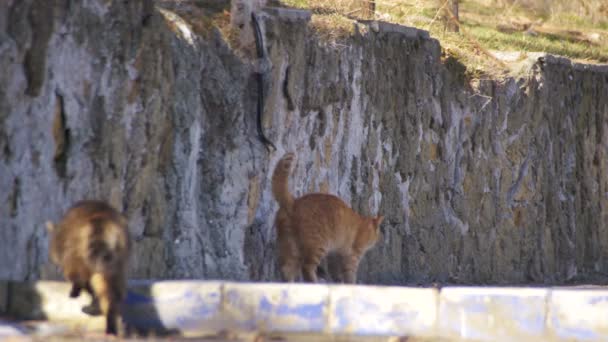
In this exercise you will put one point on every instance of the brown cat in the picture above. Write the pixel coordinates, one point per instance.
(310, 227)
(91, 244)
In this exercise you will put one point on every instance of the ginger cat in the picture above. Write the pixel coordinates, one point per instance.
(91, 244)
(310, 227)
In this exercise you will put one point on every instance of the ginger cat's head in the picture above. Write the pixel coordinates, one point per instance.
(369, 233)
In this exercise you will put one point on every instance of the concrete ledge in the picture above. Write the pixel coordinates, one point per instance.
(196, 308)
(276, 307)
(383, 311)
(9, 329)
(188, 306)
(578, 315)
(484, 314)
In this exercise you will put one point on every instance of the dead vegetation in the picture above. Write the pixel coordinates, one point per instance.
(577, 29)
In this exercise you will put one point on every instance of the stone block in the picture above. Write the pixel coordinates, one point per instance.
(269, 307)
(383, 311)
(46, 300)
(385, 27)
(187, 306)
(485, 314)
(9, 329)
(289, 13)
(578, 315)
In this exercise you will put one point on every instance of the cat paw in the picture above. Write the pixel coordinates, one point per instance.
(91, 310)
(75, 291)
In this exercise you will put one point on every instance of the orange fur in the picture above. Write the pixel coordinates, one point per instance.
(310, 227)
(91, 244)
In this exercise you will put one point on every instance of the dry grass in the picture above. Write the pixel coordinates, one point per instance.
(332, 27)
(577, 29)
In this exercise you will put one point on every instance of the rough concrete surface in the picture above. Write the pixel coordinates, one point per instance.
(485, 183)
(195, 308)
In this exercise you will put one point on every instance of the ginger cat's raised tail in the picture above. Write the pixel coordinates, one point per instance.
(311, 226)
(280, 182)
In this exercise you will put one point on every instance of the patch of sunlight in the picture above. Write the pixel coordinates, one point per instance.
(178, 25)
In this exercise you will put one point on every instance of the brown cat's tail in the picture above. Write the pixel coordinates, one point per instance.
(107, 245)
(280, 181)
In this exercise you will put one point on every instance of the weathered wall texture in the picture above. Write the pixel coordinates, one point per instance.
(500, 182)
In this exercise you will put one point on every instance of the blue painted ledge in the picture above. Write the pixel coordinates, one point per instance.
(195, 308)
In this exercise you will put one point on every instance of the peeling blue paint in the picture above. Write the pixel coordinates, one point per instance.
(304, 311)
(362, 317)
(577, 333)
(598, 299)
(292, 315)
(189, 308)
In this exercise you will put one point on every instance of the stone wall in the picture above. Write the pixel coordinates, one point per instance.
(484, 182)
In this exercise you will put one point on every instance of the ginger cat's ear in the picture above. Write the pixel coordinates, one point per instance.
(50, 227)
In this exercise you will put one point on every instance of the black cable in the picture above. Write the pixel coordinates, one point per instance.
(260, 79)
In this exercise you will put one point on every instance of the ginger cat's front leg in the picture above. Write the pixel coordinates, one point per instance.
(289, 270)
(334, 268)
(309, 272)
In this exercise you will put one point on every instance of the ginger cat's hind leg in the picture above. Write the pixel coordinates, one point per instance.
(310, 262)
(350, 264)
(289, 259)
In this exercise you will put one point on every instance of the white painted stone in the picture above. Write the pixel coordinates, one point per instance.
(8, 329)
(273, 307)
(186, 306)
(578, 315)
(383, 311)
(493, 314)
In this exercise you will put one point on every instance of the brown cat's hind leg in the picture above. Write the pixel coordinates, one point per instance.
(75, 291)
(93, 308)
(76, 277)
(108, 301)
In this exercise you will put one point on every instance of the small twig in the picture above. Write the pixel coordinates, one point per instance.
(436, 15)
(353, 11)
